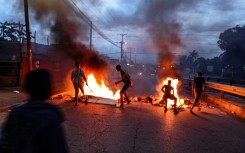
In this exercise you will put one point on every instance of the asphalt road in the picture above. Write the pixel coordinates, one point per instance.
(144, 128)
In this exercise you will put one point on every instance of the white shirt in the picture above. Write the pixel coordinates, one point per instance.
(77, 75)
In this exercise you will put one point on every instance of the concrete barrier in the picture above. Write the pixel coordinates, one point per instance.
(230, 107)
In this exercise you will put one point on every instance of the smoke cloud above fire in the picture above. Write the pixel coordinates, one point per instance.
(159, 17)
(68, 30)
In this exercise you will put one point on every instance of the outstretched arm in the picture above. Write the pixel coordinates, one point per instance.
(85, 79)
(118, 81)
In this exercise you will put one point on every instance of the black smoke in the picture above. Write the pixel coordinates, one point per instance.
(69, 28)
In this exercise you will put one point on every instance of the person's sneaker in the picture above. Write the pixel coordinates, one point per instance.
(86, 99)
(175, 110)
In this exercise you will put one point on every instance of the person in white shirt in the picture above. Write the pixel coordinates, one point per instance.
(78, 77)
(125, 78)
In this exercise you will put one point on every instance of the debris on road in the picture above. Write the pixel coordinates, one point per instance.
(16, 91)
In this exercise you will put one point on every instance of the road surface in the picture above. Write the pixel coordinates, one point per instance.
(144, 128)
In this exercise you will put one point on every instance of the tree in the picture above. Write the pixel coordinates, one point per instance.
(12, 32)
(200, 65)
(232, 42)
(193, 55)
(191, 60)
(183, 61)
(215, 63)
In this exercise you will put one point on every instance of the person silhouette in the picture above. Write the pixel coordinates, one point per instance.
(197, 88)
(78, 78)
(168, 91)
(34, 127)
(125, 78)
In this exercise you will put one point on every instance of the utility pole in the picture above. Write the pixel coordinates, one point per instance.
(91, 30)
(28, 36)
(135, 59)
(122, 46)
(130, 51)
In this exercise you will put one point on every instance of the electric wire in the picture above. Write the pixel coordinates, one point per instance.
(89, 22)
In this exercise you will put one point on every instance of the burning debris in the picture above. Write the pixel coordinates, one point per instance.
(101, 100)
(99, 90)
(148, 99)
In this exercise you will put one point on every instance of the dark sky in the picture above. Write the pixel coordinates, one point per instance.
(177, 26)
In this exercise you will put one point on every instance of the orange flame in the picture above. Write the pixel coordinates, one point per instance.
(174, 85)
(99, 90)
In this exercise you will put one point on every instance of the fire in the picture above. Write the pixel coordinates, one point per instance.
(102, 90)
(174, 85)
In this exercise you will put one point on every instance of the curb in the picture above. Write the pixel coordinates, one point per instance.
(228, 107)
(55, 96)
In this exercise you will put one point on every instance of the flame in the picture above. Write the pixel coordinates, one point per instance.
(102, 90)
(174, 84)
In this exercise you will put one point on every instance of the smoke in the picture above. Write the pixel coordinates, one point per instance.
(160, 18)
(68, 29)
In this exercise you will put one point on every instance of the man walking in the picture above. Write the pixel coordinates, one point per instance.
(197, 88)
(78, 78)
(125, 78)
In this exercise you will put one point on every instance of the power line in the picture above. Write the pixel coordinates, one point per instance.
(93, 26)
(97, 14)
(93, 13)
(104, 36)
(81, 14)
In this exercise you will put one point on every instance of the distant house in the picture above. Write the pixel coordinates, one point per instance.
(14, 63)
(10, 63)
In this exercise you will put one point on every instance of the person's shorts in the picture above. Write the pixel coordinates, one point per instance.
(172, 97)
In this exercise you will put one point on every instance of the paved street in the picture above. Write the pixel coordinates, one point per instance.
(144, 128)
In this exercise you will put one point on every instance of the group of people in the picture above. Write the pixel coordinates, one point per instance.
(78, 78)
(35, 127)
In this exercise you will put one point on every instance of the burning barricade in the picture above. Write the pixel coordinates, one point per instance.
(100, 93)
(170, 97)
